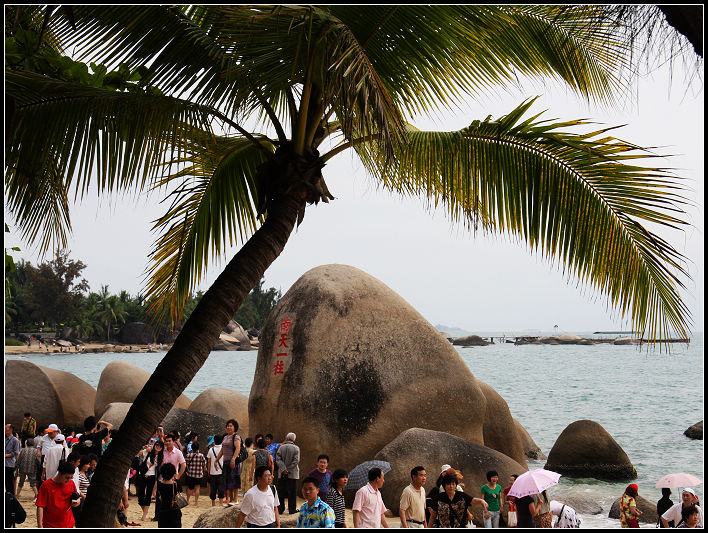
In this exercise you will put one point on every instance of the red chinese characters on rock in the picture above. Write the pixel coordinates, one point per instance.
(283, 348)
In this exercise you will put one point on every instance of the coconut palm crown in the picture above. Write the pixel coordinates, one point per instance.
(243, 102)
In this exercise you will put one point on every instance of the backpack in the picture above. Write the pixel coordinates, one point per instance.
(14, 512)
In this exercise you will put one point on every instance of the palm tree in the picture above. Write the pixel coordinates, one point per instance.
(240, 100)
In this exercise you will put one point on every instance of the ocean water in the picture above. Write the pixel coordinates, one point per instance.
(644, 398)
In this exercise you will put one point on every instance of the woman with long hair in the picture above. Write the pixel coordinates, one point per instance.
(629, 514)
(335, 496)
(168, 514)
(156, 458)
(145, 478)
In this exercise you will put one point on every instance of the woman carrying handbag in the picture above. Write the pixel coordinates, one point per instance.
(169, 514)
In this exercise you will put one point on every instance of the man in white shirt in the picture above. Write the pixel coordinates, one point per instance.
(216, 479)
(369, 508)
(688, 497)
(53, 456)
(412, 504)
(260, 503)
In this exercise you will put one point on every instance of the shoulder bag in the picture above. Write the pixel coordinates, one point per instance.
(179, 500)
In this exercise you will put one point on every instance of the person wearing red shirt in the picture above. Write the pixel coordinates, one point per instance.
(55, 501)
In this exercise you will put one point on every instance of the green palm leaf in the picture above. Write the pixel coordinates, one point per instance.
(578, 198)
(212, 207)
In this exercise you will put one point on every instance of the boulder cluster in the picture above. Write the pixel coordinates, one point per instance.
(355, 372)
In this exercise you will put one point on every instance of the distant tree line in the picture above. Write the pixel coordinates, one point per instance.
(54, 295)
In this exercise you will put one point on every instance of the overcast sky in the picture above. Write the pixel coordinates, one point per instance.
(450, 276)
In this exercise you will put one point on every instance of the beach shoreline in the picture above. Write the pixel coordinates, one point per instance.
(89, 347)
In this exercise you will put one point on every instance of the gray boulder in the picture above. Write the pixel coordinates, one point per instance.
(568, 338)
(224, 403)
(181, 420)
(531, 449)
(121, 381)
(52, 396)
(432, 449)
(347, 364)
(581, 504)
(136, 333)
(233, 338)
(470, 340)
(695, 431)
(586, 449)
(648, 509)
(625, 341)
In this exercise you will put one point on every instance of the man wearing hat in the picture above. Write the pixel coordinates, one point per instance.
(288, 460)
(688, 498)
(53, 456)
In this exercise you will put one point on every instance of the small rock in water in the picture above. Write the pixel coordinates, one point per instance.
(695, 431)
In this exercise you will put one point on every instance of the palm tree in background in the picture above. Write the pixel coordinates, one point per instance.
(239, 108)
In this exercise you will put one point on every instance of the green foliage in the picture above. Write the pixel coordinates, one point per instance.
(23, 52)
(12, 341)
(257, 306)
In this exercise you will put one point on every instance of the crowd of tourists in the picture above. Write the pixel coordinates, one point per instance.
(170, 470)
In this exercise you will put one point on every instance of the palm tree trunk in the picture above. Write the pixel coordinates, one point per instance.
(187, 355)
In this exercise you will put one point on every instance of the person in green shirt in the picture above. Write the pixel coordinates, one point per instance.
(491, 491)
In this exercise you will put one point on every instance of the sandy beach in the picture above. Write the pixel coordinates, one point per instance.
(87, 348)
(189, 513)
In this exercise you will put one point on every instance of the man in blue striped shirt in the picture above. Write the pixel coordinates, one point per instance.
(314, 512)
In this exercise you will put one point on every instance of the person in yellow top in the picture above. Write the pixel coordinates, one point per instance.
(28, 429)
(629, 513)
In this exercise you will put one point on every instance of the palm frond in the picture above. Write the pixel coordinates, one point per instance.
(428, 55)
(212, 208)
(40, 206)
(579, 198)
(83, 133)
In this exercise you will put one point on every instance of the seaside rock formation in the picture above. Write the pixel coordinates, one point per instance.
(433, 449)
(624, 341)
(647, 507)
(136, 333)
(499, 430)
(52, 396)
(531, 449)
(470, 340)
(568, 338)
(182, 420)
(121, 381)
(234, 337)
(219, 517)
(224, 403)
(695, 431)
(347, 365)
(582, 504)
(586, 449)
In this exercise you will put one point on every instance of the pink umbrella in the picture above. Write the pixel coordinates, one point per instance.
(674, 481)
(533, 482)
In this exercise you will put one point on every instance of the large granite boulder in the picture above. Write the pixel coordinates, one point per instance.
(182, 420)
(136, 333)
(647, 507)
(432, 449)
(586, 449)
(52, 396)
(531, 449)
(121, 381)
(500, 430)
(219, 517)
(470, 340)
(234, 337)
(347, 364)
(582, 504)
(695, 431)
(224, 403)
(115, 413)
